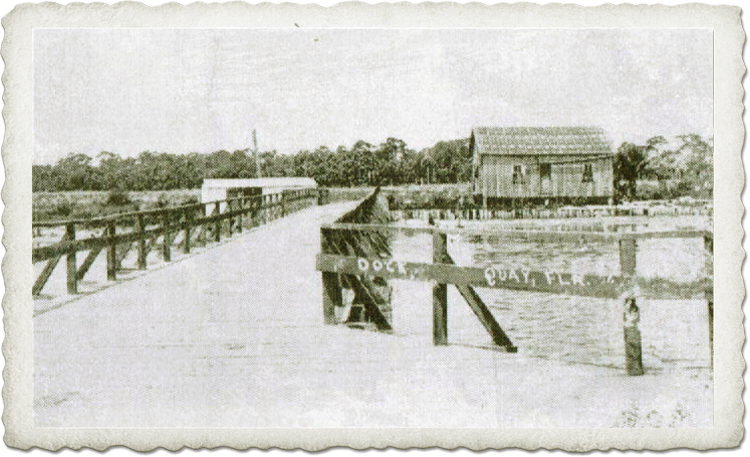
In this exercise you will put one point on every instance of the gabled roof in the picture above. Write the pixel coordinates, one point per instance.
(541, 140)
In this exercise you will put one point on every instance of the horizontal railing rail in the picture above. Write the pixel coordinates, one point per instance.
(554, 282)
(627, 286)
(102, 221)
(524, 233)
(186, 223)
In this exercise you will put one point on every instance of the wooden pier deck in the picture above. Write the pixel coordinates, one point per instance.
(234, 337)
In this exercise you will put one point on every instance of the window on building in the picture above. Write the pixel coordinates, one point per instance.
(588, 173)
(519, 174)
(545, 171)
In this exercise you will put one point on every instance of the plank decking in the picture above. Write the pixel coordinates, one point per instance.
(234, 337)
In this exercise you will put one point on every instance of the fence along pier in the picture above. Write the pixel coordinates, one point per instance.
(183, 227)
(365, 265)
(371, 296)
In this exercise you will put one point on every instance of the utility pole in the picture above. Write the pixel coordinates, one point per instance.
(257, 156)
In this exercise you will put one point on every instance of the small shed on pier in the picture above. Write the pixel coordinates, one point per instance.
(513, 166)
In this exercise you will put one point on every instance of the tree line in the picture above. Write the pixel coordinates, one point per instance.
(686, 169)
(364, 164)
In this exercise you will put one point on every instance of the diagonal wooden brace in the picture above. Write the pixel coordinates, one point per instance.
(483, 313)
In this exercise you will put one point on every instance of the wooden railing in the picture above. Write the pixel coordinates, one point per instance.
(180, 226)
(443, 271)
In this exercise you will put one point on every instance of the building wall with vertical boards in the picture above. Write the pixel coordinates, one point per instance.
(541, 162)
(496, 177)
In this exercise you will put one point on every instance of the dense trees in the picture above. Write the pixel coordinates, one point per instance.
(682, 167)
(629, 165)
(364, 164)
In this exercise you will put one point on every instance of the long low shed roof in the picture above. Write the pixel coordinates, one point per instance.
(260, 182)
(541, 141)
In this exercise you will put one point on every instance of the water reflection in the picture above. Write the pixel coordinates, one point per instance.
(582, 329)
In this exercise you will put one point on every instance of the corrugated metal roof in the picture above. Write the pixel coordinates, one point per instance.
(541, 140)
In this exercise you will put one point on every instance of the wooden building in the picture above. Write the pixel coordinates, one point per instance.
(520, 166)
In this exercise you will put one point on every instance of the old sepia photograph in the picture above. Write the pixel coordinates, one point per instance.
(308, 227)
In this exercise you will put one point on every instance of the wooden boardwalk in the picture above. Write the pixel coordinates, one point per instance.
(234, 337)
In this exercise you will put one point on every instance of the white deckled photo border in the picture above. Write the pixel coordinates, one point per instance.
(729, 183)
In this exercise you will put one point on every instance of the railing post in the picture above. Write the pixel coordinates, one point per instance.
(264, 206)
(251, 211)
(111, 252)
(141, 227)
(72, 270)
(241, 203)
(202, 228)
(331, 286)
(166, 247)
(283, 203)
(708, 244)
(631, 313)
(439, 293)
(217, 224)
(230, 219)
(263, 210)
(321, 197)
(188, 229)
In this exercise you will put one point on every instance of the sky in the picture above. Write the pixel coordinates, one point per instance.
(202, 90)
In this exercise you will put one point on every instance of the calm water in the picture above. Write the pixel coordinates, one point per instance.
(578, 330)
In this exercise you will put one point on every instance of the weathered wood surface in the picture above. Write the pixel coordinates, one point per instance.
(631, 313)
(483, 313)
(142, 219)
(522, 233)
(373, 209)
(439, 293)
(565, 283)
(71, 264)
(87, 262)
(173, 225)
(44, 276)
(111, 251)
(331, 290)
(708, 243)
(565, 180)
(196, 344)
(320, 195)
